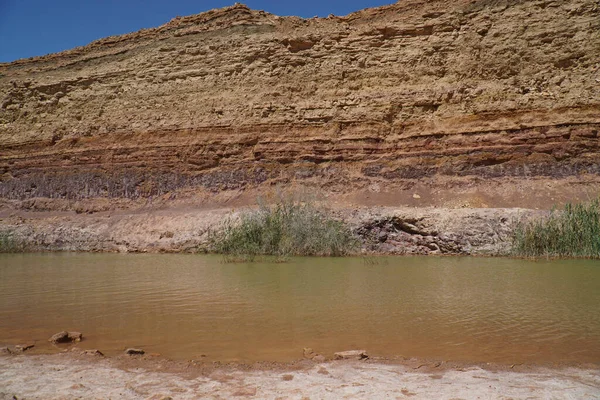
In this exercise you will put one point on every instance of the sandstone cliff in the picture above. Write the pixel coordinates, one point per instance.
(493, 99)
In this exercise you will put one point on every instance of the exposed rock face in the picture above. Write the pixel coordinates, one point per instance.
(438, 231)
(450, 94)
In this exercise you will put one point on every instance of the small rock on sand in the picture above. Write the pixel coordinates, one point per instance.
(24, 347)
(319, 358)
(66, 337)
(75, 336)
(311, 355)
(351, 355)
(133, 352)
(93, 353)
(60, 337)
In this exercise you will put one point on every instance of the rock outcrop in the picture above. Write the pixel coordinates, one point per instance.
(493, 100)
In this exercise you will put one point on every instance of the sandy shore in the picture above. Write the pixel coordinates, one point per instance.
(72, 376)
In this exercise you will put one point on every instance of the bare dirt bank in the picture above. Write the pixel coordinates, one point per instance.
(185, 228)
(68, 376)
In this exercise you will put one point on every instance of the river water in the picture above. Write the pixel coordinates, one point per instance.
(190, 306)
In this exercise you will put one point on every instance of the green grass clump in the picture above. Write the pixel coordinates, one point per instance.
(9, 243)
(287, 228)
(572, 232)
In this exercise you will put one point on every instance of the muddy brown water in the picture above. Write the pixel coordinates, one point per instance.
(187, 306)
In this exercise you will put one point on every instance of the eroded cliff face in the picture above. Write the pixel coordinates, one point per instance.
(421, 100)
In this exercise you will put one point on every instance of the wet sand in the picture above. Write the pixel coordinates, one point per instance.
(72, 375)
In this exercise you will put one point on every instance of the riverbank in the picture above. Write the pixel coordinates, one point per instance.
(172, 227)
(70, 376)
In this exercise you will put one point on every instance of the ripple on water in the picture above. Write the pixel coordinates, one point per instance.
(493, 310)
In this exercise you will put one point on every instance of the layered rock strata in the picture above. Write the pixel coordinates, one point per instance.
(141, 142)
(450, 95)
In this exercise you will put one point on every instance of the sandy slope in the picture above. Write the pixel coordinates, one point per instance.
(66, 376)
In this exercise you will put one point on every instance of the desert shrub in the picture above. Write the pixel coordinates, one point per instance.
(289, 227)
(571, 232)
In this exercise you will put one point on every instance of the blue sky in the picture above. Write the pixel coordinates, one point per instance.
(37, 27)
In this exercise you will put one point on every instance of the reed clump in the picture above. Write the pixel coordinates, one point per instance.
(9, 243)
(573, 232)
(289, 227)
